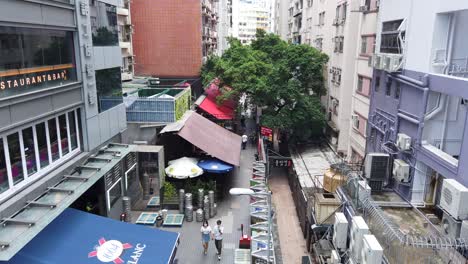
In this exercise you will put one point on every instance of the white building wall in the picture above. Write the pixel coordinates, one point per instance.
(223, 26)
(246, 15)
(281, 18)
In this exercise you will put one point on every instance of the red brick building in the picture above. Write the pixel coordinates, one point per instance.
(171, 37)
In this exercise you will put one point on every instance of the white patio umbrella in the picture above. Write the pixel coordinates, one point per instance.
(183, 168)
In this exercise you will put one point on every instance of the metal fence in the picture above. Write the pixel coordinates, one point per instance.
(398, 246)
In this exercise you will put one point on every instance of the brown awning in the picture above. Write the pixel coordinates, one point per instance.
(212, 138)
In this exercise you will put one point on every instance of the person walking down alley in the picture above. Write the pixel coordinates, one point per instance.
(218, 231)
(245, 138)
(206, 234)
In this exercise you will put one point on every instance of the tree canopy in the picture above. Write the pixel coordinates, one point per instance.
(285, 79)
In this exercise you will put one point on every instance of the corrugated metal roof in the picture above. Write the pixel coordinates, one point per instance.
(177, 126)
(17, 230)
(310, 165)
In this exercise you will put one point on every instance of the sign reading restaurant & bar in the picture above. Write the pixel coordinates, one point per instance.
(45, 76)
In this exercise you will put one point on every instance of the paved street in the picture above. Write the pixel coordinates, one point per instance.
(292, 243)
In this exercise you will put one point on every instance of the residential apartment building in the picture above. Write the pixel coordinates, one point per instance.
(365, 38)
(280, 17)
(224, 25)
(248, 16)
(125, 39)
(54, 71)
(418, 109)
(173, 37)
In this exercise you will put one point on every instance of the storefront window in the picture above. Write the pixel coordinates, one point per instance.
(54, 147)
(104, 23)
(32, 59)
(114, 193)
(109, 88)
(63, 134)
(42, 144)
(72, 125)
(15, 158)
(3, 171)
(29, 150)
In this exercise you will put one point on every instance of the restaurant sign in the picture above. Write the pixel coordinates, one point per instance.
(34, 77)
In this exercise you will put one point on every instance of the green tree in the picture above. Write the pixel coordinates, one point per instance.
(286, 80)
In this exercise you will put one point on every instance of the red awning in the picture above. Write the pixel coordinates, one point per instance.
(220, 112)
(211, 138)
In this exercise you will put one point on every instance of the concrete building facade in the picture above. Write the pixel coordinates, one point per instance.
(125, 39)
(173, 38)
(57, 60)
(247, 16)
(420, 89)
(280, 17)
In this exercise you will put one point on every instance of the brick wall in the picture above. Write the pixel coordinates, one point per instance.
(167, 38)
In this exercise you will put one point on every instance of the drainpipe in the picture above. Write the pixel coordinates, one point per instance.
(444, 125)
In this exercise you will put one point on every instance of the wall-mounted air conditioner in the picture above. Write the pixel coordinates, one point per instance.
(377, 61)
(391, 62)
(334, 257)
(355, 121)
(400, 170)
(403, 141)
(464, 230)
(376, 165)
(363, 8)
(359, 228)
(453, 199)
(340, 231)
(372, 252)
(451, 227)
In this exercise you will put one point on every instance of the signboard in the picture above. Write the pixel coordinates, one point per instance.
(284, 163)
(267, 133)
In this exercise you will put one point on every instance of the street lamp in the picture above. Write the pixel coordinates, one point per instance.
(245, 191)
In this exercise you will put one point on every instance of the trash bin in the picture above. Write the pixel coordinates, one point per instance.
(159, 221)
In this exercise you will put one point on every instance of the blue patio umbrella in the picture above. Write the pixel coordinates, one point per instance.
(215, 166)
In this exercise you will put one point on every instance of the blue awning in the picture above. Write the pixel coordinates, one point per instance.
(215, 166)
(81, 238)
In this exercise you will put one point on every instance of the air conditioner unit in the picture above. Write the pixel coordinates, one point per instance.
(376, 166)
(392, 62)
(403, 141)
(355, 121)
(363, 8)
(451, 227)
(401, 170)
(454, 199)
(334, 257)
(359, 228)
(377, 61)
(340, 231)
(335, 22)
(372, 252)
(464, 230)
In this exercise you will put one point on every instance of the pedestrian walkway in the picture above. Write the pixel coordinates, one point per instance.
(292, 242)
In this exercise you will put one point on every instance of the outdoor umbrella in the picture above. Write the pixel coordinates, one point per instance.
(215, 166)
(183, 168)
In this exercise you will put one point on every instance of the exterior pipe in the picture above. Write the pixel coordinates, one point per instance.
(409, 119)
(444, 125)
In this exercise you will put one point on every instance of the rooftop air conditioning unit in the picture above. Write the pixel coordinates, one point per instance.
(335, 257)
(372, 252)
(401, 170)
(403, 141)
(359, 228)
(340, 231)
(355, 121)
(376, 165)
(453, 199)
(363, 8)
(451, 227)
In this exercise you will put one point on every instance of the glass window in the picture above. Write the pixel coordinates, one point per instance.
(390, 42)
(103, 23)
(360, 83)
(377, 83)
(15, 158)
(72, 125)
(63, 134)
(3, 170)
(114, 193)
(53, 138)
(109, 88)
(363, 45)
(42, 144)
(29, 150)
(32, 59)
(388, 90)
(78, 116)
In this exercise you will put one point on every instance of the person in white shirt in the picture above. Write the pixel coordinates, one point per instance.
(244, 141)
(206, 233)
(218, 231)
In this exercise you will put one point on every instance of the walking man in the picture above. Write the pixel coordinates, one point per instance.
(218, 231)
(245, 138)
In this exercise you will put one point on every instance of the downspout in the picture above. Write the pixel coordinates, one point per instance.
(444, 125)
